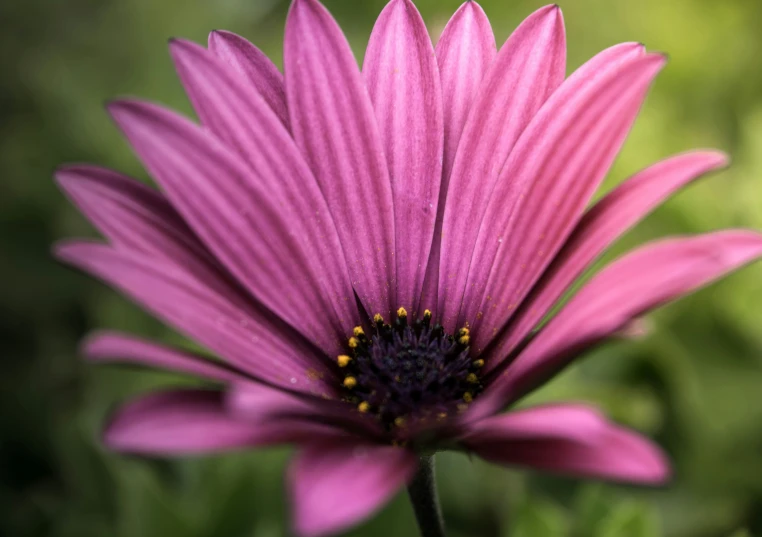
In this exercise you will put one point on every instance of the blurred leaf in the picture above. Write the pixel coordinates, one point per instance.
(537, 517)
(629, 519)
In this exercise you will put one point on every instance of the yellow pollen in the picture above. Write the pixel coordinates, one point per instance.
(364, 406)
(427, 314)
(353, 342)
(479, 363)
(378, 318)
(472, 378)
(464, 331)
(399, 422)
(344, 360)
(358, 331)
(442, 415)
(467, 397)
(464, 340)
(350, 382)
(402, 312)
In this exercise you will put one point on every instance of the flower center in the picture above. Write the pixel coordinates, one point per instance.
(407, 371)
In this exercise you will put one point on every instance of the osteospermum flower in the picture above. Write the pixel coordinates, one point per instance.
(371, 254)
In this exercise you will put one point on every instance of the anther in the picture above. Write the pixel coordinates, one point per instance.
(479, 363)
(472, 378)
(464, 340)
(353, 342)
(402, 313)
(399, 422)
(358, 331)
(343, 360)
(350, 382)
(378, 318)
(363, 407)
(467, 397)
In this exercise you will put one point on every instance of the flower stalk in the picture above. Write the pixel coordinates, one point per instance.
(423, 495)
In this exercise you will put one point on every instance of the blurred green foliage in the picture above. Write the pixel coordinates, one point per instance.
(694, 383)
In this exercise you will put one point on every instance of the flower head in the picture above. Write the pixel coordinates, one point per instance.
(371, 253)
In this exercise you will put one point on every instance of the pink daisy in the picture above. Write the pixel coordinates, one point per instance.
(372, 254)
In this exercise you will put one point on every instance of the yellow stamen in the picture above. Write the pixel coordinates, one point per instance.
(472, 378)
(344, 360)
(467, 397)
(401, 313)
(358, 331)
(378, 318)
(363, 407)
(442, 415)
(427, 314)
(350, 382)
(464, 340)
(353, 342)
(399, 422)
(479, 363)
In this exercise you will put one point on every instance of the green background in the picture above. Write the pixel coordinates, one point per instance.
(693, 384)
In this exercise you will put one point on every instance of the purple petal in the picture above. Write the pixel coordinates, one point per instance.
(636, 283)
(258, 403)
(185, 422)
(464, 54)
(576, 422)
(528, 68)
(207, 317)
(335, 485)
(250, 222)
(133, 216)
(114, 347)
(334, 125)
(568, 440)
(255, 66)
(403, 82)
(605, 222)
(237, 115)
(548, 181)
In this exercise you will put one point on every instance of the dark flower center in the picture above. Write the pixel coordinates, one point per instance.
(408, 371)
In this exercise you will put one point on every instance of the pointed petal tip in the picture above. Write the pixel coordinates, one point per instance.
(91, 347)
(217, 37)
(64, 250)
(66, 177)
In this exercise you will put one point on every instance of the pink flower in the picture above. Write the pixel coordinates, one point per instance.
(370, 254)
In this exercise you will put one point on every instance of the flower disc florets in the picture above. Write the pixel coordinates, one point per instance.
(409, 370)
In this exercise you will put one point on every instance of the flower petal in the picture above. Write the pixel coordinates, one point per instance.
(249, 344)
(115, 347)
(595, 448)
(575, 422)
(241, 119)
(258, 403)
(334, 485)
(334, 126)
(549, 179)
(255, 66)
(464, 53)
(254, 227)
(403, 82)
(134, 217)
(636, 283)
(604, 222)
(185, 422)
(528, 68)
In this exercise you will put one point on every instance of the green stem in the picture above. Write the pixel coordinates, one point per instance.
(423, 496)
